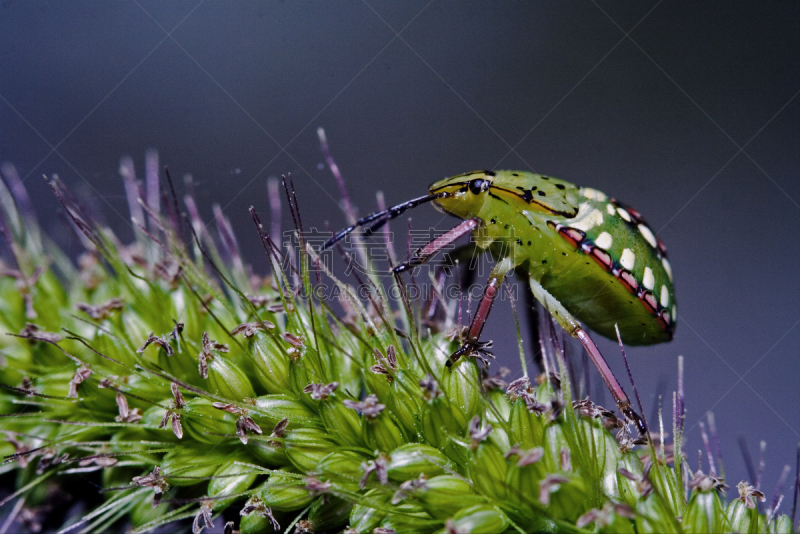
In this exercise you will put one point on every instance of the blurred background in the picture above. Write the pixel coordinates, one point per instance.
(688, 111)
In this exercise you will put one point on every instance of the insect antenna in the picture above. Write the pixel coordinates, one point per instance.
(379, 218)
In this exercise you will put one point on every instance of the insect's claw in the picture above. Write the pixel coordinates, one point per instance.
(472, 349)
(635, 418)
(482, 353)
(481, 346)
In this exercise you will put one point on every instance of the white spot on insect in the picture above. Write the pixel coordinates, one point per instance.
(648, 235)
(604, 241)
(610, 209)
(587, 217)
(648, 280)
(628, 259)
(667, 267)
(664, 296)
(624, 214)
(674, 312)
(593, 194)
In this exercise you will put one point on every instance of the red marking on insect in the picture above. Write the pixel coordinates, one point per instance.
(628, 280)
(649, 301)
(574, 235)
(664, 321)
(662, 248)
(599, 255)
(636, 217)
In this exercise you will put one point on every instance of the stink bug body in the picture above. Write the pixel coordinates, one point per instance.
(587, 257)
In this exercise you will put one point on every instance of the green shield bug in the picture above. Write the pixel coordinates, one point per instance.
(588, 257)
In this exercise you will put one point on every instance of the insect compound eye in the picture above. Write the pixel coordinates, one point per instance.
(478, 186)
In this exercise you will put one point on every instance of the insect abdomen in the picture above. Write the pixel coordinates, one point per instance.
(613, 270)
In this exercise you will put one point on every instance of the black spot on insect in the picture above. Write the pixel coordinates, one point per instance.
(494, 221)
(506, 227)
(544, 261)
(526, 194)
(514, 174)
(489, 173)
(519, 241)
(529, 243)
(545, 177)
(541, 193)
(563, 253)
(587, 263)
(559, 186)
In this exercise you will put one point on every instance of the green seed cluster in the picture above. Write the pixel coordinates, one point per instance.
(192, 389)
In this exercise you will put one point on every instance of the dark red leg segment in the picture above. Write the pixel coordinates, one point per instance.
(473, 344)
(422, 255)
(482, 313)
(622, 400)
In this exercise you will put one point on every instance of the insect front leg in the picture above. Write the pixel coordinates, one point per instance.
(473, 344)
(573, 328)
(423, 254)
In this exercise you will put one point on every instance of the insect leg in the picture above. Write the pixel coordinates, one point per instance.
(472, 343)
(432, 312)
(573, 328)
(421, 255)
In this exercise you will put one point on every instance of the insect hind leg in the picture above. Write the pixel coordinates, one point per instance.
(573, 328)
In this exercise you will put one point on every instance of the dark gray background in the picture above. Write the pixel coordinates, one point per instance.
(686, 110)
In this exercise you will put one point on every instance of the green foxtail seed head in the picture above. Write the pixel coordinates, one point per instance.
(195, 391)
